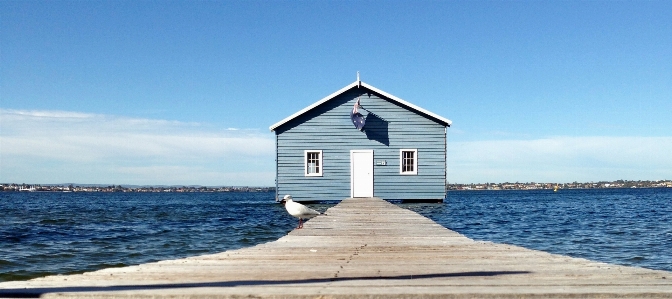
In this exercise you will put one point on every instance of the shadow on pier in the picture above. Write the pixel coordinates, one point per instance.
(38, 292)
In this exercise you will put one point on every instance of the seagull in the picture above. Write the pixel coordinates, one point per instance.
(298, 210)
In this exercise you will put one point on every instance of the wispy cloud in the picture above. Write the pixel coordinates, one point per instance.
(47, 114)
(63, 146)
(129, 150)
(561, 159)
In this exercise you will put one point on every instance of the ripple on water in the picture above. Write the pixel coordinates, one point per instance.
(56, 233)
(621, 226)
(61, 233)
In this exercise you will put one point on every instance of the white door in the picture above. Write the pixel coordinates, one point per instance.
(361, 173)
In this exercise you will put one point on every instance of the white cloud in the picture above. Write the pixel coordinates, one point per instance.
(560, 159)
(62, 146)
(47, 114)
(35, 143)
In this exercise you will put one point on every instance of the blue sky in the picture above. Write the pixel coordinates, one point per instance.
(183, 92)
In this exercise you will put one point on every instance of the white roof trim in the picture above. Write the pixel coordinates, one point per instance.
(304, 110)
(348, 87)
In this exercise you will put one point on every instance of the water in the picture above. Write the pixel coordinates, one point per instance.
(631, 227)
(63, 233)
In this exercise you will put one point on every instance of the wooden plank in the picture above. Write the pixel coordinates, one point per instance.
(362, 248)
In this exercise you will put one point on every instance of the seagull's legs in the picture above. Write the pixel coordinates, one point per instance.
(300, 223)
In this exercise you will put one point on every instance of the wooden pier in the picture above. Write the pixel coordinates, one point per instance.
(362, 248)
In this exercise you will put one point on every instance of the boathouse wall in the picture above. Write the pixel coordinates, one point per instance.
(389, 128)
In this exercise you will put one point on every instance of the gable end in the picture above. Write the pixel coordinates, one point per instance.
(435, 117)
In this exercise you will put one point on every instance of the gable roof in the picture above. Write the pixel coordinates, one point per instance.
(443, 120)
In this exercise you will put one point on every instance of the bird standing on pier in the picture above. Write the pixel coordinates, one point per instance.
(298, 210)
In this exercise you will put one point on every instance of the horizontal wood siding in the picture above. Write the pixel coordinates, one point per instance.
(328, 128)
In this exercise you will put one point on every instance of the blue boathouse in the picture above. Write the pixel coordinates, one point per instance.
(399, 153)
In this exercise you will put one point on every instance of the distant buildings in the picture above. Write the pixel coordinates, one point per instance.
(454, 187)
(551, 186)
(119, 188)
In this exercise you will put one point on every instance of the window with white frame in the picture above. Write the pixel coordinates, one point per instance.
(312, 160)
(408, 161)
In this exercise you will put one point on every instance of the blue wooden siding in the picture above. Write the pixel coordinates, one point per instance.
(328, 128)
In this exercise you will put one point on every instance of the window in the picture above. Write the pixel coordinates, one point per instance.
(408, 161)
(313, 163)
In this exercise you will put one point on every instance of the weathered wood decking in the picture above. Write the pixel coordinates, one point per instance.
(364, 248)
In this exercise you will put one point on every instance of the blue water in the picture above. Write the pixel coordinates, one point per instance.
(62, 233)
(58, 233)
(631, 227)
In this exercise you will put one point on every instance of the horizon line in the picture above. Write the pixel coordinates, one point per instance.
(265, 186)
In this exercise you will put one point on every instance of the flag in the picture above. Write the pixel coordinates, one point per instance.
(356, 117)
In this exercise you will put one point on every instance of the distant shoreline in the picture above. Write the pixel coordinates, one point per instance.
(615, 188)
(119, 188)
(619, 184)
(449, 190)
